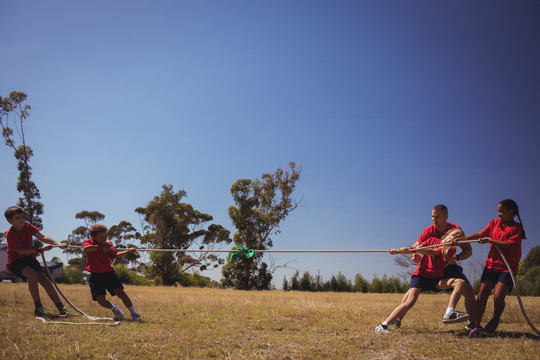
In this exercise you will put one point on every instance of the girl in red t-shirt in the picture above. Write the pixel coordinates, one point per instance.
(507, 234)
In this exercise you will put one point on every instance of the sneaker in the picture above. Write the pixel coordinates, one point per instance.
(470, 325)
(63, 310)
(118, 314)
(455, 317)
(39, 311)
(135, 317)
(491, 326)
(396, 324)
(474, 332)
(381, 329)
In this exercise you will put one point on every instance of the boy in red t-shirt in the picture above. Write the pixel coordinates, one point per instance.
(428, 276)
(99, 253)
(22, 257)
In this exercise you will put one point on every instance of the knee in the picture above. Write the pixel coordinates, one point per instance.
(120, 293)
(31, 275)
(459, 284)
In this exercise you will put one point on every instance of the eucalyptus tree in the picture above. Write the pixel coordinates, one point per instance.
(260, 206)
(170, 223)
(13, 114)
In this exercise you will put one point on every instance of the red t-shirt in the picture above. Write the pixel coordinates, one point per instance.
(99, 261)
(431, 232)
(17, 240)
(432, 266)
(511, 233)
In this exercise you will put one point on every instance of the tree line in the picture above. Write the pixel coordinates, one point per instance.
(340, 283)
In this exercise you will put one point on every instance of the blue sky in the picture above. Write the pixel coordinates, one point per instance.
(390, 107)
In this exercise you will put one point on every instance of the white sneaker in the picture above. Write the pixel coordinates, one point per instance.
(381, 330)
(455, 317)
(118, 314)
(135, 317)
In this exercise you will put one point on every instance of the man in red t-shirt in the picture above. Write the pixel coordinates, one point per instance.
(99, 253)
(22, 257)
(452, 270)
(428, 276)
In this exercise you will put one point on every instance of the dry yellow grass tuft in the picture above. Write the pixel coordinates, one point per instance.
(184, 323)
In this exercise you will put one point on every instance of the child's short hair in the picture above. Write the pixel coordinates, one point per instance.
(12, 211)
(97, 228)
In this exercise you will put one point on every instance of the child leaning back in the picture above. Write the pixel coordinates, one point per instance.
(99, 253)
(22, 257)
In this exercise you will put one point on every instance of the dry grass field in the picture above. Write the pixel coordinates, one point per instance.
(185, 323)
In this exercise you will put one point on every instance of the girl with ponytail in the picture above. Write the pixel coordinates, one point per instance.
(507, 235)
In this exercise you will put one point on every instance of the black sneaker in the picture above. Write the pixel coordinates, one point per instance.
(455, 317)
(63, 310)
(396, 324)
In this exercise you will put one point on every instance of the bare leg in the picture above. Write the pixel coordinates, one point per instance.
(123, 296)
(33, 281)
(103, 302)
(482, 298)
(48, 286)
(501, 289)
(407, 303)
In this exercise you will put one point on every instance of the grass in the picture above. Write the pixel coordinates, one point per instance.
(186, 323)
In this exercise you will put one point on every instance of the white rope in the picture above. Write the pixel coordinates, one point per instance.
(259, 251)
(92, 318)
(517, 291)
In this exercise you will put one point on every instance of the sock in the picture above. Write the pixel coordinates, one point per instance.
(132, 309)
(384, 324)
(59, 305)
(37, 303)
(449, 310)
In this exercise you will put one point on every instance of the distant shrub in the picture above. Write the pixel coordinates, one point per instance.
(71, 275)
(130, 277)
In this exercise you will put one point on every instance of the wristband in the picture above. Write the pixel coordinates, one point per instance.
(39, 250)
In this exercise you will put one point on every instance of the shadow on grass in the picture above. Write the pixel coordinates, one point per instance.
(499, 335)
(483, 334)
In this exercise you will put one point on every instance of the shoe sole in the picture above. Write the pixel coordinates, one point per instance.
(456, 320)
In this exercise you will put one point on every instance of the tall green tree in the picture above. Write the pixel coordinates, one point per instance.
(260, 206)
(529, 273)
(170, 223)
(14, 107)
(124, 235)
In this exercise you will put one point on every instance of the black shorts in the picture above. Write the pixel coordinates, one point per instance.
(99, 282)
(496, 276)
(455, 271)
(424, 283)
(18, 265)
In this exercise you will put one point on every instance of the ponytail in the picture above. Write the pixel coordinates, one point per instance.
(512, 205)
(522, 229)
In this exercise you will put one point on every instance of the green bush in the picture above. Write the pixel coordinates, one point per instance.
(71, 275)
(130, 277)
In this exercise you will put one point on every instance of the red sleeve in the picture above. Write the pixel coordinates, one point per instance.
(113, 252)
(487, 230)
(33, 230)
